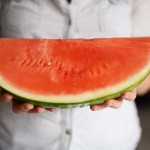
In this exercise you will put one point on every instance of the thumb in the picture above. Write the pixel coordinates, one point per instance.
(5, 97)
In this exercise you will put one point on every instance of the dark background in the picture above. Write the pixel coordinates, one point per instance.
(143, 104)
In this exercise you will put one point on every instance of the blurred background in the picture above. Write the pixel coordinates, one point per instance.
(143, 104)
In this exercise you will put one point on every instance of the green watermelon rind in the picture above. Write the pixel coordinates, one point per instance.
(78, 104)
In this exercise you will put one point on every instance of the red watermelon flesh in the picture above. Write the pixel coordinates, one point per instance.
(72, 71)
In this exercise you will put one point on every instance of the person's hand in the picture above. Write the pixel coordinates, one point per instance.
(19, 107)
(144, 87)
(115, 103)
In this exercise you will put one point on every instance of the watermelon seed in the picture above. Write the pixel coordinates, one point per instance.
(28, 62)
(49, 63)
(45, 64)
(91, 71)
(98, 70)
(33, 63)
(104, 66)
(72, 75)
(59, 70)
(40, 61)
(57, 62)
(65, 74)
(23, 62)
(80, 75)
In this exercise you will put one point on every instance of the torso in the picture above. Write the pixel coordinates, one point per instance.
(69, 1)
(107, 129)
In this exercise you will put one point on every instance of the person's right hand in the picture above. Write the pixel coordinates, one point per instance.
(144, 87)
(19, 107)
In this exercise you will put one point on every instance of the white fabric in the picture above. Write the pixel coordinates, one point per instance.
(141, 18)
(79, 128)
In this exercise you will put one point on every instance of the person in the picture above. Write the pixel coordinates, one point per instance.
(34, 127)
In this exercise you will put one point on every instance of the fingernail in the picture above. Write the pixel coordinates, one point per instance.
(110, 104)
(9, 97)
(39, 110)
(28, 107)
(96, 108)
(53, 110)
(125, 97)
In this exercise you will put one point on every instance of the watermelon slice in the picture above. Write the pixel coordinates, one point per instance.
(72, 72)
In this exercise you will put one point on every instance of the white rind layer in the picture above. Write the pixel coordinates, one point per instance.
(79, 98)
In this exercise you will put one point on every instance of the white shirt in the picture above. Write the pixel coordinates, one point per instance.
(78, 128)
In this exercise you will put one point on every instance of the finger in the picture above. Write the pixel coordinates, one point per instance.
(5, 97)
(129, 95)
(51, 109)
(37, 109)
(114, 103)
(19, 107)
(98, 107)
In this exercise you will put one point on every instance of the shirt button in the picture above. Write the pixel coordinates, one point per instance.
(68, 132)
(69, 22)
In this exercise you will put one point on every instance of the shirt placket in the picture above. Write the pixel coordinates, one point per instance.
(67, 131)
(72, 18)
(70, 11)
(74, 10)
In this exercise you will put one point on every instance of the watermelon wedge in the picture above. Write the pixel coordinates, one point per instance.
(72, 72)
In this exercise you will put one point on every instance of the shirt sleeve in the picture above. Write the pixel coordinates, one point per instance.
(141, 18)
(0, 3)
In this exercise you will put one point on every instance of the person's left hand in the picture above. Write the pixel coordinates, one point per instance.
(115, 103)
